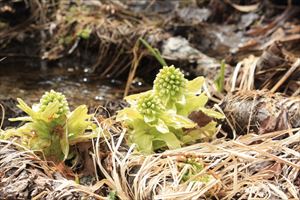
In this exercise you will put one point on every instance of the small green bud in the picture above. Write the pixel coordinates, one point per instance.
(149, 105)
(169, 83)
(53, 96)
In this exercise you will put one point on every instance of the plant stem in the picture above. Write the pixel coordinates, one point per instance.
(154, 51)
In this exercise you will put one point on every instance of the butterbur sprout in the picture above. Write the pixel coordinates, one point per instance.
(158, 118)
(55, 127)
(149, 105)
(169, 83)
(53, 96)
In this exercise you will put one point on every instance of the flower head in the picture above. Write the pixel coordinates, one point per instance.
(149, 105)
(53, 96)
(169, 83)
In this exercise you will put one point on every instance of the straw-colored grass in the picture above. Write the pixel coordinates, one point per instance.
(250, 167)
(23, 175)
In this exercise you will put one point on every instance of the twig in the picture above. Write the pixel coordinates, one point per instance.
(287, 75)
(134, 66)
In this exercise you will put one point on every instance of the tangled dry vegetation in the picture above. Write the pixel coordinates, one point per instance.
(240, 169)
(252, 166)
(257, 159)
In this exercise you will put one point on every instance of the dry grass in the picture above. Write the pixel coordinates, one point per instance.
(114, 30)
(34, 22)
(276, 78)
(250, 167)
(25, 176)
(109, 48)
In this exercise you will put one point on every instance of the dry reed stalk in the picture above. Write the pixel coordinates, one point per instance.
(276, 69)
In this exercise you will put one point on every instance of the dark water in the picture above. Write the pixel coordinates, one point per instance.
(79, 85)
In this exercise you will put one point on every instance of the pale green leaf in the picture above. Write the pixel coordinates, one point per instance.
(132, 99)
(128, 114)
(78, 121)
(181, 100)
(170, 139)
(149, 118)
(23, 106)
(194, 86)
(170, 105)
(212, 113)
(199, 133)
(161, 126)
(187, 139)
(39, 144)
(64, 143)
(27, 119)
(193, 103)
(207, 131)
(41, 128)
(50, 111)
(83, 138)
(143, 141)
(177, 121)
(140, 125)
(210, 128)
(5, 135)
(158, 144)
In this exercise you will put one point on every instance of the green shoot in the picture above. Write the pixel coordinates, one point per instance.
(219, 82)
(155, 52)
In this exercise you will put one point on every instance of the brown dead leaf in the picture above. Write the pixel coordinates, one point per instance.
(86, 160)
(65, 170)
(200, 118)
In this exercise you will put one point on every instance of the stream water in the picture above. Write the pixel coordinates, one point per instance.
(79, 86)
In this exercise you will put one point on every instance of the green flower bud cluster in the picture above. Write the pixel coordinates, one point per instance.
(169, 82)
(53, 96)
(149, 105)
